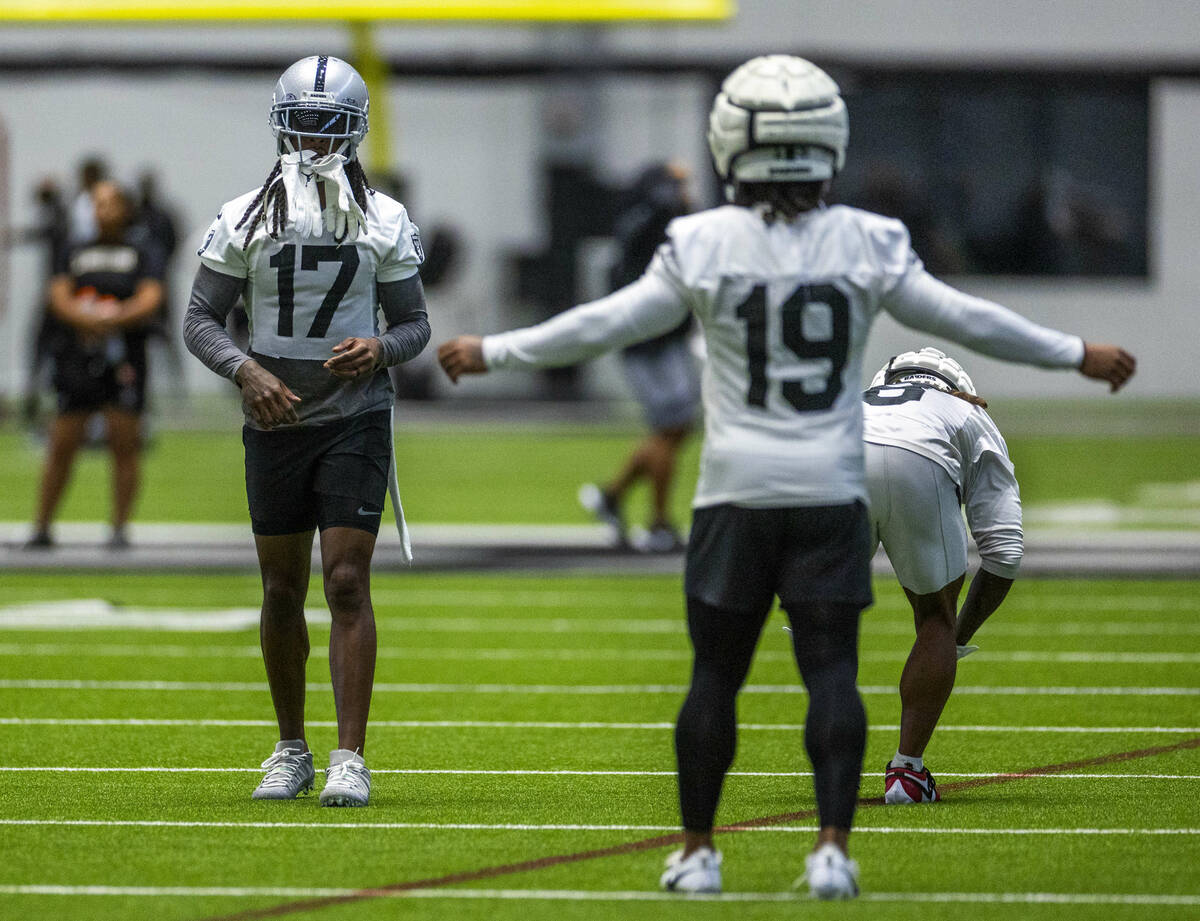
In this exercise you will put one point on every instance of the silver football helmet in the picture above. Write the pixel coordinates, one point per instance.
(927, 366)
(778, 118)
(320, 97)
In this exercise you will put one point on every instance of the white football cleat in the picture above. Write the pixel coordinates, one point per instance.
(348, 781)
(830, 874)
(289, 772)
(700, 871)
(964, 651)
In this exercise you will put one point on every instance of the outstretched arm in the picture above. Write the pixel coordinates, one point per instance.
(642, 310)
(923, 302)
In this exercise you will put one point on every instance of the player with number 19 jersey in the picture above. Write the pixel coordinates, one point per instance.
(305, 295)
(786, 307)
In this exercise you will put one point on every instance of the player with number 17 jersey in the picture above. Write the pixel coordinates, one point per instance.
(785, 307)
(304, 295)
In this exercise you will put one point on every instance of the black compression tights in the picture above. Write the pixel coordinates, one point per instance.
(825, 642)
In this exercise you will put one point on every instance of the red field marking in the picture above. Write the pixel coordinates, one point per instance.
(646, 844)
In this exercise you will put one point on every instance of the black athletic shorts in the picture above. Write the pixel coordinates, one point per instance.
(739, 558)
(319, 476)
(87, 380)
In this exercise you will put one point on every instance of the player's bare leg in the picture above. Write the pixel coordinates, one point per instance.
(346, 558)
(284, 561)
(66, 435)
(661, 460)
(928, 676)
(654, 458)
(124, 436)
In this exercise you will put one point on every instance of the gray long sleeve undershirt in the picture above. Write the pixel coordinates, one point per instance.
(214, 295)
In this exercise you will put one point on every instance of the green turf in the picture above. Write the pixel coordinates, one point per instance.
(566, 631)
(455, 474)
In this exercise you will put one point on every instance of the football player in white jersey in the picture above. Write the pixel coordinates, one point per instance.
(315, 254)
(930, 448)
(785, 290)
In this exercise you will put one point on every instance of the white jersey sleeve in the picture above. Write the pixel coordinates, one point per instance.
(991, 498)
(403, 257)
(923, 302)
(648, 307)
(222, 250)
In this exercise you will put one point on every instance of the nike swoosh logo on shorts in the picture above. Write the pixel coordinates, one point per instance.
(364, 511)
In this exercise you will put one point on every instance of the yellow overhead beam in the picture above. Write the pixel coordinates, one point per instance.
(593, 11)
(373, 69)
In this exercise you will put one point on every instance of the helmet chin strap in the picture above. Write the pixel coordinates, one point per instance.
(342, 216)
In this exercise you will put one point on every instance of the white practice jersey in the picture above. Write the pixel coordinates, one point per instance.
(963, 439)
(785, 308)
(304, 296)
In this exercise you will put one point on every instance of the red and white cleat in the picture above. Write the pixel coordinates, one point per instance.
(904, 785)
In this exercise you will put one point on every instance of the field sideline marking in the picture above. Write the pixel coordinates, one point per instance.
(437, 654)
(660, 841)
(526, 772)
(524, 826)
(97, 614)
(590, 895)
(81, 684)
(533, 724)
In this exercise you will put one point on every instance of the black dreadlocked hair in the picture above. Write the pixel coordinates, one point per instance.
(270, 205)
(777, 200)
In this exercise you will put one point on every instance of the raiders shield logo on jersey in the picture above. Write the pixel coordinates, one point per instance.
(416, 242)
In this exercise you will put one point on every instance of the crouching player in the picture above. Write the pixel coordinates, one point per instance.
(931, 447)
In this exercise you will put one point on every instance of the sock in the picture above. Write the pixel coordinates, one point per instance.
(908, 761)
(293, 744)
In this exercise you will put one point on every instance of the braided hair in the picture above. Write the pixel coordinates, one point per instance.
(776, 200)
(270, 205)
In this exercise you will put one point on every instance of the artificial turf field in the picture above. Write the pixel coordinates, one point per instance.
(522, 759)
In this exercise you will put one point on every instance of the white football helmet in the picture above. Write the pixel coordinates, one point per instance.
(778, 118)
(320, 97)
(927, 366)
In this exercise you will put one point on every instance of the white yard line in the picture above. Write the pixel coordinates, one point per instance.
(587, 895)
(438, 654)
(46, 684)
(98, 614)
(537, 827)
(557, 725)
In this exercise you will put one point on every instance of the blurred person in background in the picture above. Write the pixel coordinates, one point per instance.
(50, 233)
(786, 290)
(105, 293)
(932, 451)
(661, 372)
(158, 222)
(314, 252)
(82, 226)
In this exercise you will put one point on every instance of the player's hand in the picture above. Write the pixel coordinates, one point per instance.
(462, 355)
(267, 398)
(1107, 363)
(354, 357)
